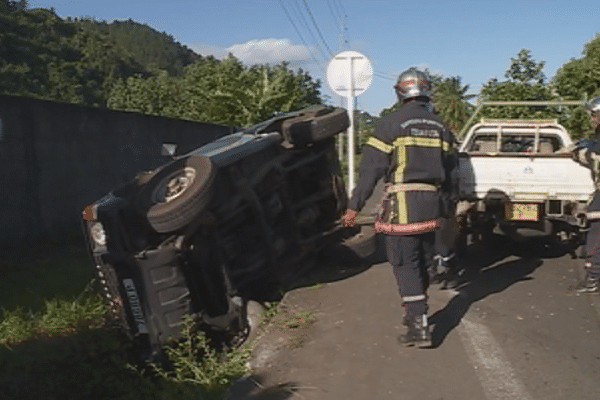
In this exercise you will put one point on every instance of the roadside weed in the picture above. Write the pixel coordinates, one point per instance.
(195, 362)
(293, 317)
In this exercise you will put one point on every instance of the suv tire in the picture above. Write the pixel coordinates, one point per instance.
(178, 193)
(314, 124)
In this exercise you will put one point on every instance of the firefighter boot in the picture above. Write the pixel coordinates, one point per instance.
(417, 332)
(589, 285)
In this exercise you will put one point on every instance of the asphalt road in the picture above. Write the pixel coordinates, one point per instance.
(511, 331)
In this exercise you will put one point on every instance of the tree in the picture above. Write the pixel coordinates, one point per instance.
(578, 79)
(452, 101)
(20, 5)
(525, 70)
(158, 95)
(526, 82)
(223, 92)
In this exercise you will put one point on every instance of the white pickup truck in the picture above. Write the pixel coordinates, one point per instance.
(518, 179)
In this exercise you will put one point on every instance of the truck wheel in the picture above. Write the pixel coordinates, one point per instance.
(177, 194)
(315, 124)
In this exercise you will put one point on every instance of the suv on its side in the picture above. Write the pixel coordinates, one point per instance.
(222, 224)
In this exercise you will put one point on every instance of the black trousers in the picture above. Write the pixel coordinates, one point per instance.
(443, 246)
(410, 255)
(592, 249)
(592, 242)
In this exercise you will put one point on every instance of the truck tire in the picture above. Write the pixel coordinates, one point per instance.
(315, 124)
(178, 193)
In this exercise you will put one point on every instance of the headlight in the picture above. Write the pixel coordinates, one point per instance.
(98, 234)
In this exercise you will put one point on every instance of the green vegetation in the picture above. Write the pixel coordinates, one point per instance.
(126, 65)
(198, 370)
(57, 342)
(45, 57)
(129, 66)
(223, 92)
(577, 79)
(293, 317)
(61, 345)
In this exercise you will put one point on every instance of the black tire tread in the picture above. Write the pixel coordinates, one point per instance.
(169, 217)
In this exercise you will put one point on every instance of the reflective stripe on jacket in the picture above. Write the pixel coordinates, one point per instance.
(411, 145)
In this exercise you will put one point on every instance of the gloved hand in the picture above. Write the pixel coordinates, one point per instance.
(349, 218)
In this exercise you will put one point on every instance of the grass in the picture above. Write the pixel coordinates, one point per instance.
(293, 317)
(56, 342)
(32, 276)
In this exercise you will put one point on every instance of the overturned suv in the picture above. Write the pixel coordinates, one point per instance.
(227, 222)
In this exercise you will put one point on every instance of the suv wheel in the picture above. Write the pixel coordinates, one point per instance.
(177, 194)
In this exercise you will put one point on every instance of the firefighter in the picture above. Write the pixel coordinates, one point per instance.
(410, 149)
(587, 153)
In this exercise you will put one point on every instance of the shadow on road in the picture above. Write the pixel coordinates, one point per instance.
(342, 260)
(483, 277)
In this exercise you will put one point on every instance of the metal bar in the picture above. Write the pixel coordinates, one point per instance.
(468, 123)
(517, 103)
(533, 103)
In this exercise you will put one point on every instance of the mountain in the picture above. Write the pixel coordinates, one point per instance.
(79, 60)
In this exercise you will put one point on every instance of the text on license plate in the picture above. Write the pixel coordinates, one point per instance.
(522, 211)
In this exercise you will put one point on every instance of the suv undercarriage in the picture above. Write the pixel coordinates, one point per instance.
(223, 224)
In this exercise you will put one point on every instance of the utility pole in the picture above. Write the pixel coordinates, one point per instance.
(343, 45)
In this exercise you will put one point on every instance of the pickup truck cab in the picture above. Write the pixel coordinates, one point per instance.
(518, 178)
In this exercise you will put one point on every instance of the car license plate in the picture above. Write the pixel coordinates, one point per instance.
(522, 211)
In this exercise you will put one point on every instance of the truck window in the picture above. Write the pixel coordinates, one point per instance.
(549, 144)
(484, 143)
(517, 144)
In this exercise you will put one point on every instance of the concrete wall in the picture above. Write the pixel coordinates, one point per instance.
(55, 158)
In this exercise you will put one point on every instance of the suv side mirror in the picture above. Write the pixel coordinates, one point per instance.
(168, 149)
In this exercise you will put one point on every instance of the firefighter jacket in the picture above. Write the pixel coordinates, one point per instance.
(589, 157)
(412, 150)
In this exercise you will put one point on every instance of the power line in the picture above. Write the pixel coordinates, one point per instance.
(336, 7)
(300, 35)
(317, 28)
(299, 10)
(335, 17)
(384, 76)
(340, 22)
(341, 7)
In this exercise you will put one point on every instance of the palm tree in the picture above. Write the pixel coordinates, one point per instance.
(452, 101)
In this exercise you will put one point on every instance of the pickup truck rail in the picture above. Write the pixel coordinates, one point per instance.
(481, 104)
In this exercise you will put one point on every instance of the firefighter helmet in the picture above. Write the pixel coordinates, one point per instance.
(594, 106)
(412, 83)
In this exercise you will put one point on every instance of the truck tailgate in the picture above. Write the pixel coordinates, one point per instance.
(524, 178)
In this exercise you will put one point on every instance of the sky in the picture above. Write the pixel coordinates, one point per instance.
(472, 39)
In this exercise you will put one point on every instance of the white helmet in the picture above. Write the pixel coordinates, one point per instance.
(412, 83)
(593, 106)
